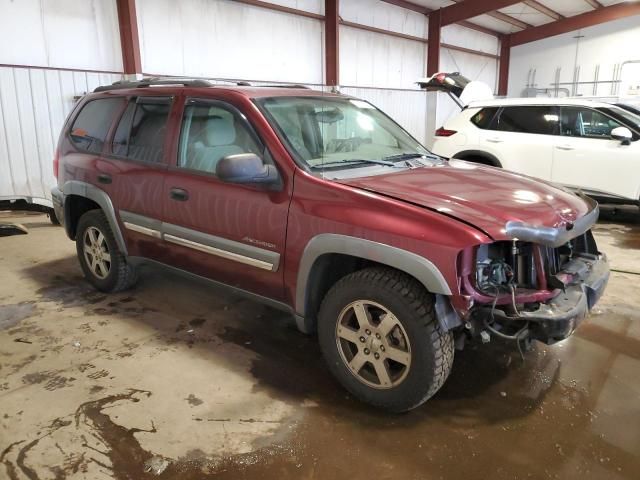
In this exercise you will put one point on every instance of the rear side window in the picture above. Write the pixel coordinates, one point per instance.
(89, 130)
(142, 128)
(541, 120)
(484, 118)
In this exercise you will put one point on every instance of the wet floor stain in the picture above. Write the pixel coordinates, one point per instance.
(193, 400)
(553, 415)
(12, 315)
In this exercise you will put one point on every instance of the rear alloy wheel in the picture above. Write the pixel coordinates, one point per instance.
(96, 252)
(381, 339)
(102, 262)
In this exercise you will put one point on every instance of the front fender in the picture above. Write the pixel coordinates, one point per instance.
(415, 265)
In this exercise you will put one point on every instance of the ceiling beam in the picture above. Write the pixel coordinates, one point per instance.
(479, 28)
(409, 6)
(570, 24)
(594, 4)
(503, 17)
(509, 19)
(426, 11)
(472, 8)
(543, 9)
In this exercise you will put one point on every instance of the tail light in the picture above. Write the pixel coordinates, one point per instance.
(56, 162)
(443, 132)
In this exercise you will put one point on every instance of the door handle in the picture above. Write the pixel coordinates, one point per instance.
(179, 194)
(565, 147)
(104, 178)
(495, 140)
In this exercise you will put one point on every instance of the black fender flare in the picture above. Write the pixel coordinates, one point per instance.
(464, 154)
(83, 189)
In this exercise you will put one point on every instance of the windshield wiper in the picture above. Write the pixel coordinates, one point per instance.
(410, 155)
(362, 160)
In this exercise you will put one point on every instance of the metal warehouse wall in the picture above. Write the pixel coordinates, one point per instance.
(74, 45)
(65, 39)
(219, 38)
(81, 34)
(594, 54)
(34, 103)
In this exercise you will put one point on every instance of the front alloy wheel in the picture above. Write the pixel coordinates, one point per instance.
(380, 336)
(374, 344)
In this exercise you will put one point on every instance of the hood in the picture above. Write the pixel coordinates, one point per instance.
(484, 197)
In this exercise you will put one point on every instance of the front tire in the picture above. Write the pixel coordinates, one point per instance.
(381, 339)
(102, 262)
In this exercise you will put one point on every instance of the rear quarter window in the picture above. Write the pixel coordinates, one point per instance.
(484, 118)
(542, 120)
(90, 128)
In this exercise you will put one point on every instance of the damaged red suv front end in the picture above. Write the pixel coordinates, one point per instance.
(538, 285)
(537, 273)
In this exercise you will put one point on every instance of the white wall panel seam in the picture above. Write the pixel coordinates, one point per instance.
(20, 129)
(35, 131)
(7, 156)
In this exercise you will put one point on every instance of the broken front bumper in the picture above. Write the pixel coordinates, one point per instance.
(558, 318)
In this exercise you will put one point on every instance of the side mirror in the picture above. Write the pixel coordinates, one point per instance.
(623, 134)
(246, 168)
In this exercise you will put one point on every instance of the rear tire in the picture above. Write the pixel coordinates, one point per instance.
(102, 262)
(381, 339)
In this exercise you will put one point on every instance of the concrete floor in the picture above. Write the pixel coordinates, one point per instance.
(175, 377)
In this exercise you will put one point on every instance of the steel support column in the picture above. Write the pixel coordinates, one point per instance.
(433, 45)
(332, 42)
(505, 56)
(128, 23)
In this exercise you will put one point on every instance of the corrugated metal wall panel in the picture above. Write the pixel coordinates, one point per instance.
(378, 14)
(381, 61)
(34, 104)
(313, 6)
(79, 34)
(406, 107)
(217, 38)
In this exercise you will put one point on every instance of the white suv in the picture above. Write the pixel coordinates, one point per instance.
(581, 144)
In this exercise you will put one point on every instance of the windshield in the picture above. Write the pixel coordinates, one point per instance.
(337, 133)
(630, 118)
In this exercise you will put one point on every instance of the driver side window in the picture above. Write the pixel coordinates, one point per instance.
(586, 123)
(211, 132)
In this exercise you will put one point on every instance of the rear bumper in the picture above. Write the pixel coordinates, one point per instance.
(57, 198)
(558, 318)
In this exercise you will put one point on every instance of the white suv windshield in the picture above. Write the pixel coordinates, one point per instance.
(331, 132)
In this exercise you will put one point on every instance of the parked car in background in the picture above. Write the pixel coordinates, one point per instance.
(580, 144)
(322, 206)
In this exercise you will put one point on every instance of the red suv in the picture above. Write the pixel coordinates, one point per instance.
(321, 205)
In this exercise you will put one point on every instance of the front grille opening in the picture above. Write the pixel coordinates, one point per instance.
(503, 266)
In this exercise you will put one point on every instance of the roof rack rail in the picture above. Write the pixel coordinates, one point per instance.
(152, 82)
(295, 85)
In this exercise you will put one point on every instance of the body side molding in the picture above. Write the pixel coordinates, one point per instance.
(415, 265)
(83, 189)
